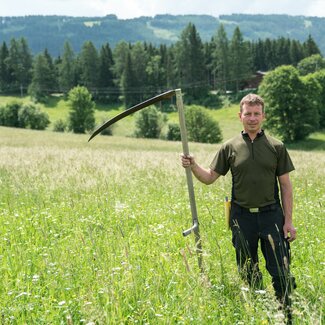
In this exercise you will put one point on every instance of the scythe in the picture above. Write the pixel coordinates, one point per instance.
(190, 187)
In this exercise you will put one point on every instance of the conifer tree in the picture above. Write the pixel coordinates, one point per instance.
(240, 65)
(20, 64)
(129, 84)
(310, 47)
(190, 61)
(43, 78)
(67, 69)
(89, 66)
(120, 55)
(108, 90)
(140, 59)
(221, 58)
(4, 68)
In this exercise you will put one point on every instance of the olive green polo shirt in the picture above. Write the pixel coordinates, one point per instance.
(255, 166)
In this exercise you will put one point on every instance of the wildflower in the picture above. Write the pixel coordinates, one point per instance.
(22, 294)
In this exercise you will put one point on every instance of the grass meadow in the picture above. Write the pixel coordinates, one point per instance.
(91, 233)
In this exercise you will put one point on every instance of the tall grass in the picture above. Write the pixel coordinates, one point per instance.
(91, 233)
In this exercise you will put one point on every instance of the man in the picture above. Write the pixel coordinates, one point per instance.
(258, 163)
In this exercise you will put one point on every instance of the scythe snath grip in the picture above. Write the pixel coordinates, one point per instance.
(180, 108)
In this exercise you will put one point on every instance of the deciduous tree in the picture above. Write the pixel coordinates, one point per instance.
(291, 112)
(82, 114)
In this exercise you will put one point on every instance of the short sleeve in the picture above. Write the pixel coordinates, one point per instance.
(285, 164)
(220, 163)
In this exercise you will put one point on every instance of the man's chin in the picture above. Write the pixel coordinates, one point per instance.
(254, 127)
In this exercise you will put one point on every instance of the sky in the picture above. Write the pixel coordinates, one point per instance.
(125, 9)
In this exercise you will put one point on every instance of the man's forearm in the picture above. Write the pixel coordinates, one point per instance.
(206, 176)
(287, 201)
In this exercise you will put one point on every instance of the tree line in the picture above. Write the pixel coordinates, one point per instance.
(134, 72)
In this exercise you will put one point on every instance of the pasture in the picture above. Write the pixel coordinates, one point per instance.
(91, 233)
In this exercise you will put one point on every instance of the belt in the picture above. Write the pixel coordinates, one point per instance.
(269, 207)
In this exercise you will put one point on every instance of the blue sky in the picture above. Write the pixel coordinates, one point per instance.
(125, 9)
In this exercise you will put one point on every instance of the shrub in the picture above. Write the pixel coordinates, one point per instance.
(26, 116)
(30, 116)
(9, 115)
(200, 125)
(60, 126)
(173, 132)
(149, 123)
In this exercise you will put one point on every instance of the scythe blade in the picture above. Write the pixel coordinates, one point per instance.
(133, 109)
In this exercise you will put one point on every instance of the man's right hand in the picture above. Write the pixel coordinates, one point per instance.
(187, 161)
(206, 176)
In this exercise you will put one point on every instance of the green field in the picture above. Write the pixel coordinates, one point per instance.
(91, 233)
(57, 108)
(227, 117)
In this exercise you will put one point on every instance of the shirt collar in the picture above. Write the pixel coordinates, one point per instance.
(259, 134)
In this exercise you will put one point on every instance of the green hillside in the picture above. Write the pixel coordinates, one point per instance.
(52, 31)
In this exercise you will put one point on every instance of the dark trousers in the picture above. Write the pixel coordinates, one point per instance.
(266, 226)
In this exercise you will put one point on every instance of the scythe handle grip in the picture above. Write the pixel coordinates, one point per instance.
(189, 178)
(190, 230)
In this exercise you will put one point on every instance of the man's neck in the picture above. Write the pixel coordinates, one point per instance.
(252, 135)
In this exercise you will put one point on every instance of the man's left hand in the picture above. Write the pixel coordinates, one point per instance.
(288, 228)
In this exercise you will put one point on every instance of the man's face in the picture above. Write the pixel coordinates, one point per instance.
(252, 117)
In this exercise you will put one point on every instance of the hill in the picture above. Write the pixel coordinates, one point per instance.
(51, 31)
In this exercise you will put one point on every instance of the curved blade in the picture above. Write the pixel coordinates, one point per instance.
(133, 109)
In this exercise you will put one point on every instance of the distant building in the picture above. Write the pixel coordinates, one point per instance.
(255, 80)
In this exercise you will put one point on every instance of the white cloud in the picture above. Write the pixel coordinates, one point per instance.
(136, 8)
(316, 9)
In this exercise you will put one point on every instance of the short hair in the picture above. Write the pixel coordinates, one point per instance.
(252, 99)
